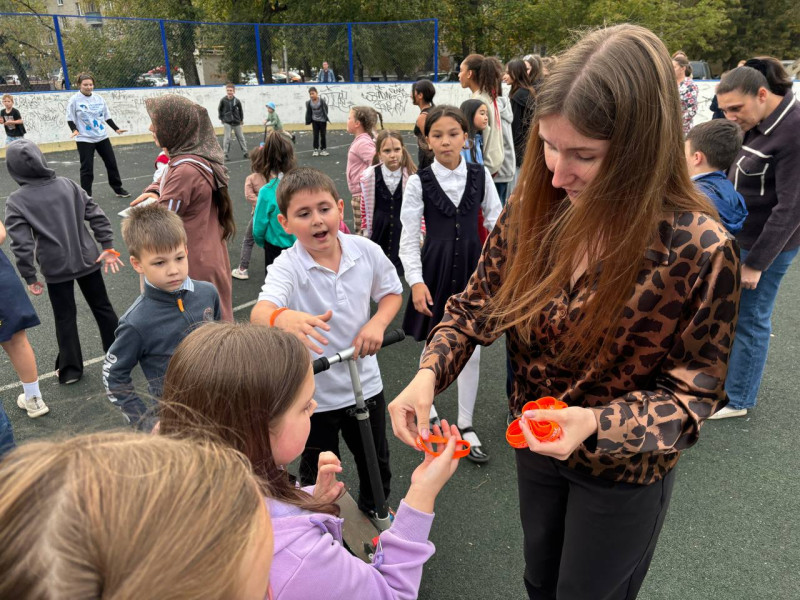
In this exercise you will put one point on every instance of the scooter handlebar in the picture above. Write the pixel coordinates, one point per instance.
(392, 337)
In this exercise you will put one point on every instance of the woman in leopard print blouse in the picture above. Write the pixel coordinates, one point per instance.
(618, 291)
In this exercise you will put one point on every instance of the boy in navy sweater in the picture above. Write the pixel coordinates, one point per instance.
(711, 148)
(171, 306)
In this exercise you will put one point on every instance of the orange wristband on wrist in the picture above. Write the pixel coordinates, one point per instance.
(114, 252)
(275, 314)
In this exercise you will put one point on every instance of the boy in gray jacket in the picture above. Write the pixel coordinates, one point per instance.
(45, 219)
(171, 306)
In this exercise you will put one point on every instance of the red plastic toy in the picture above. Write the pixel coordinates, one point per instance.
(544, 431)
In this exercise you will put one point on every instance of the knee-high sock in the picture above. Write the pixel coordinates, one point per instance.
(468, 389)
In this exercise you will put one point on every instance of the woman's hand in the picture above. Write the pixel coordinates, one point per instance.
(74, 133)
(110, 260)
(429, 478)
(421, 297)
(36, 288)
(576, 424)
(327, 489)
(143, 197)
(410, 411)
(750, 277)
(121, 131)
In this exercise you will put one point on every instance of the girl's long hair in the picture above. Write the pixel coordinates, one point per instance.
(126, 515)
(368, 117)
(406, 162)
(275, 156)
(470, 108)
(520, 78)
(615, 84)
(488, 73)
(222, 200)
(236, 381)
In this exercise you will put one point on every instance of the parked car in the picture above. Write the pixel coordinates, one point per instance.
(700, 69)
(12, 79)
(150, 80)
(280, 77)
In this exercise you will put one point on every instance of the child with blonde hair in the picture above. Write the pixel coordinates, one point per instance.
(121, 515)
(361, 123)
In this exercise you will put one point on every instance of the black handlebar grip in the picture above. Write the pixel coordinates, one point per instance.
(321, 364)
(397, 335)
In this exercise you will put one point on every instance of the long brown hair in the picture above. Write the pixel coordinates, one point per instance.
(520, 78)
(125, 515)
(275, 156)
(615, 84)
(237, 381)
(368, 117)
(406, 162)
(487, 72)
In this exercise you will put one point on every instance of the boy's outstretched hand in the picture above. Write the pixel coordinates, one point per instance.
(110, 260)
(305, 326)
(327, 489)
(36, 288)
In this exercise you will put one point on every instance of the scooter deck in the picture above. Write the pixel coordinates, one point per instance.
(357, 529)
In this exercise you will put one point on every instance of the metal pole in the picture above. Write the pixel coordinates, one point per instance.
(170, 80)
(286, 64)
(60, 43)
(259, 64)
(436, 49)
(350, 49)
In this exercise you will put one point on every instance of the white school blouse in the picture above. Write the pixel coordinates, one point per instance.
(453, 184)
(297, 281)
(391, 178)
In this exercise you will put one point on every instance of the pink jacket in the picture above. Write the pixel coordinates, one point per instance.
(359, 158)
(252, 185)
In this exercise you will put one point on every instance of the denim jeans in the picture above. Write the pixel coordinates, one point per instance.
(502, 191)
(6, 436)
(751, 344)
(12, 138)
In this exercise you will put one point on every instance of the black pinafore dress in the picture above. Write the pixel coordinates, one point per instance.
(386, 226)
(424, 155)
(452, 247)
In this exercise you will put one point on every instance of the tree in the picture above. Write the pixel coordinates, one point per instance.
(25, 41)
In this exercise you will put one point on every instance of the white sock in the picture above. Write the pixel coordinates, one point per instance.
(31, 390)
(433, 413)
(468, 389)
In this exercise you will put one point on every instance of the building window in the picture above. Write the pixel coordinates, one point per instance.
(79, 9)
(60, 2)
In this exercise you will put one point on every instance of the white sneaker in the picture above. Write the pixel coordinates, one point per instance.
(315, 153)
(728, 413)
(324, 153)
(240, 273)
(35, 406)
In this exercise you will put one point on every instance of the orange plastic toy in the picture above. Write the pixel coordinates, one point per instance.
(544, 431)
(438, 439)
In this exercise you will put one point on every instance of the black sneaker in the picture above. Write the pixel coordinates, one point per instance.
(122, 193)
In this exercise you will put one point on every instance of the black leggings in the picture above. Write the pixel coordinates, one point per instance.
(106, 152)
(319, 128)
(586, 537)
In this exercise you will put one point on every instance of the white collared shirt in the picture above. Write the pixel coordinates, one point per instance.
(296, 280)
(391, 178)
(187, 285)
(453, 184)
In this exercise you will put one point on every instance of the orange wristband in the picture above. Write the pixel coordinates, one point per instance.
(275, 314)
(544, 431)
(438, 439)
(114, 252)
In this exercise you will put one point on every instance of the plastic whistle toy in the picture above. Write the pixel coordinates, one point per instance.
(438, 439)
(544, 431)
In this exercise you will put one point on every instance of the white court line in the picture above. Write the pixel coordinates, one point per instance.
(97, 359)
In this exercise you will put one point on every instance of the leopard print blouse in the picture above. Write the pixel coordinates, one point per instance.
(669, 357)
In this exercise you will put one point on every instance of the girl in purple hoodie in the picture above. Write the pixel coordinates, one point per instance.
(253, 388)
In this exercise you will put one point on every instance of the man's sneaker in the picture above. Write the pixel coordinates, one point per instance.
(315, 153)
(324, 153)
(238, 273)
(122, 193)
(35, 406)
(728, 413)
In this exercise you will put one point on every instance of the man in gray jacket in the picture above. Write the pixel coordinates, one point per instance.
(45, 219)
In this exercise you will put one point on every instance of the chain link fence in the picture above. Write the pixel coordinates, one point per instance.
(39, 52)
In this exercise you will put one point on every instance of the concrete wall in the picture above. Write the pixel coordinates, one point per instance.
(45, 112)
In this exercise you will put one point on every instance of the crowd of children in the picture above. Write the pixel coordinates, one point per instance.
(425, 224)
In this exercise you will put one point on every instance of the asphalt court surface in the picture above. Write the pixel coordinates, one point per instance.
(733, 528)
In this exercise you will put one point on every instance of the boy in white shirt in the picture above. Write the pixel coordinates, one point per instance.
(320, 290)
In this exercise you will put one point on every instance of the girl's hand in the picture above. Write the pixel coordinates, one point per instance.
(121, 131)
(110, 260)
(750, 277)
(410, 411)
(429, 478)
(36, 288)
(576, 424)
(421, 297)
(74, 133)
(327, 489)
(144, 197)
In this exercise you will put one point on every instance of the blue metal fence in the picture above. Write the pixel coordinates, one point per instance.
(47, 51)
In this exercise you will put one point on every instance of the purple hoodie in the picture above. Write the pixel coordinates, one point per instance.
(310, 561)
